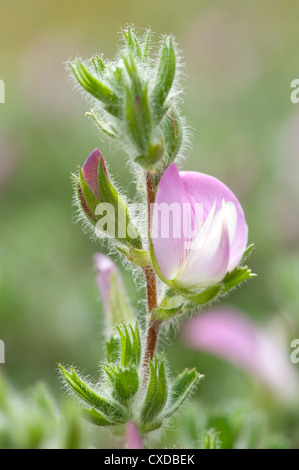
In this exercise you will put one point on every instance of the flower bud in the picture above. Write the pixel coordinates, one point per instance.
(102, 204)
(115, 301)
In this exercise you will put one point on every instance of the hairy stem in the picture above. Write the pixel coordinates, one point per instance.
(151, 280)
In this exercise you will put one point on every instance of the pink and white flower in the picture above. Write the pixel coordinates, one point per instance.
(209, 232)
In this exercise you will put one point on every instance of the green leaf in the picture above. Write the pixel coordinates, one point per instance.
(126, 383)
(180, 390)
(113, 349)
(165, 78)
(162, 389)
(235, 277)
(110, 408)
(95, 88)
(138, 116)
(146, 46)
(98, 65)
(152, 426)
(147, 411)
(136, 345)
(96, 418)
(130, 345)
(110, 369)
(133, 43)
(157, 391)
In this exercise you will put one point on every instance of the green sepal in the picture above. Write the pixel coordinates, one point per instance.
(237, 276)
(203, 297)
(139, 257)
(95, 88)
(90, 198)
(173, 135)
(113, 349)
(180, 389)
(95, 417)
(79, 196)
(123, 223)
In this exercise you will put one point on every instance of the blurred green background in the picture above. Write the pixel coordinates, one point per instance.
(240, 58)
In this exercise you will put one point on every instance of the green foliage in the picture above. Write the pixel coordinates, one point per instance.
(165, 77)
(163, 398)
(209, 439)
(33, 420)
(94, 87)
(123, 393)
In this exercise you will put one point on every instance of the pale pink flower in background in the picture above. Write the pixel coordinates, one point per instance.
(211, 242)
(116, 305)
(234, 337)
(133, 439)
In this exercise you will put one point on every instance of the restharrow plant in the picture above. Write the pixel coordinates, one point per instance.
(188, 239)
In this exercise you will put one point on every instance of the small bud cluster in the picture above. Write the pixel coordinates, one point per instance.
(136, 99)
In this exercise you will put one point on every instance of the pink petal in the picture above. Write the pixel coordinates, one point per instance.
(230, 335)
(133, 438)
(90, 171)
(206, 189)
(208, 264)
(105, 268)
(169, 245)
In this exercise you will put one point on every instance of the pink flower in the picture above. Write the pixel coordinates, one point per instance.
(208, 234)
(231, 335)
